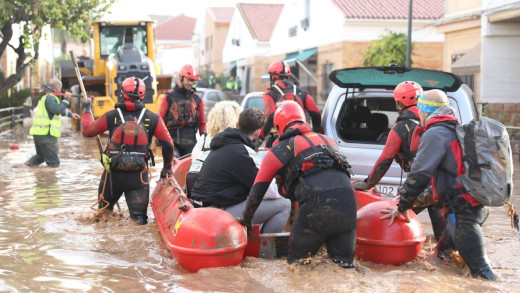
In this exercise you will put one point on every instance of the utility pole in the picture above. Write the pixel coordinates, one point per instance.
(409, 37)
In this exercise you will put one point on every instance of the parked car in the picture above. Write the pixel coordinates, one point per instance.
(253, 100)
(210, 98)
(360, 111)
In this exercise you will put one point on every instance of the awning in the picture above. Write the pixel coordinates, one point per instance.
(470, 58)
(302, 56)
(294, 58)
(230, 68)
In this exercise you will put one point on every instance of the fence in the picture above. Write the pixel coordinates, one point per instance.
(9, 117)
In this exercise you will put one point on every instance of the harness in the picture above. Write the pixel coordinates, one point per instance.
(405, 157)
(130, 157)
(322, 156)
(183, 112)
(286, 95)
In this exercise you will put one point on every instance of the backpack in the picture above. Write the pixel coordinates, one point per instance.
(488, 161)
(128, 147)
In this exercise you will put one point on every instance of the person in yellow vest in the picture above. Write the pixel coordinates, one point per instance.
(46, 127)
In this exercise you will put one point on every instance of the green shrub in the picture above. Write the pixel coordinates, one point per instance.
(15, 99)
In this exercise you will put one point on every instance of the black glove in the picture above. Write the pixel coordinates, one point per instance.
(363, 185)
(247, 223)
(166, 172)
(86, 106)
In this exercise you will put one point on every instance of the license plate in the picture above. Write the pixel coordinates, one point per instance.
(390, 190)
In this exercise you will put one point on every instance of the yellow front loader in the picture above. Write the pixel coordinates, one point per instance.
(122, 48)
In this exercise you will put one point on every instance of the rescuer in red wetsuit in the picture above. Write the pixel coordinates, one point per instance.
(183, 111)
(282, 89)
(306, 171)
(397, 148)
(132, 183)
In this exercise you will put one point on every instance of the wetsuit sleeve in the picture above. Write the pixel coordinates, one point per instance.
(391, 149)
(162, 134)
(92, 128)
(269, 108)
(429, 156)
(164, 107)
(202, 118)
(314, 112)
(268, 169)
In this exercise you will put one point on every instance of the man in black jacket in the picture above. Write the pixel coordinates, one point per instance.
(229, 171)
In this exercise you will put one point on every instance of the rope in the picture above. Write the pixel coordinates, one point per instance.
(511, 212)
(146, 171)
(102, 197)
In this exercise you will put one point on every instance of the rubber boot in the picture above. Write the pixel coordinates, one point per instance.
(486, 275)
(344, 263)
(142, 220)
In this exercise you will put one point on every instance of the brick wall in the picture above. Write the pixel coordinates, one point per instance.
(428, 55)
(508, 114)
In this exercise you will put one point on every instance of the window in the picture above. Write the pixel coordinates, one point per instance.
(212, 96)
(367, 120)
(113, 37)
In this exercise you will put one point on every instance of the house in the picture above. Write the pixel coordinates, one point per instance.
(480, 41)
(173, 43)
(320, 36)
(247, 47)
(212, 36)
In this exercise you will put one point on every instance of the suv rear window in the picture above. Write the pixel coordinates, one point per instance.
(389, 77)
(366, 120)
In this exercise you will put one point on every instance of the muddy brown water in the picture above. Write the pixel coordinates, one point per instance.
(51, 241)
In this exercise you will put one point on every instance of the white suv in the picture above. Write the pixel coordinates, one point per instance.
(360, 111)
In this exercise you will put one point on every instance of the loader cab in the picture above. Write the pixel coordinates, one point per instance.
(109, 36)
(112, 38)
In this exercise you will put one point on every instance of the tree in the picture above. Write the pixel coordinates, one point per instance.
(390, 48)
(30, 16)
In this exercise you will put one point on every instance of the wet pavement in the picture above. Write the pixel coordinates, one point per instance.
(52, 241)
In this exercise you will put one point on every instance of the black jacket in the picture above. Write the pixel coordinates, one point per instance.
(228, 172)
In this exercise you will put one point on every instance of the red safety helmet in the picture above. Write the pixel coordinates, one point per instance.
(133, 88)
(279, 69)
(287, 112)
(407, 92)
(190, 72)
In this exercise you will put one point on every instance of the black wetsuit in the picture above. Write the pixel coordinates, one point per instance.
(327, 206)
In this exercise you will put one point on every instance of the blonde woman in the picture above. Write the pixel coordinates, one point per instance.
(225, 114)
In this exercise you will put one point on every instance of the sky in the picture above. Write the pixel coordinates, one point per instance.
(193, 8)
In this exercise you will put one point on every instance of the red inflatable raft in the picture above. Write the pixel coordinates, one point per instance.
(198, 238)
(209, 237)
(378, 242)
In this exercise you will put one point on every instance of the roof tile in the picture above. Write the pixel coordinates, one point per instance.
(260, 18)
(390, 9)
(222, 14)
(176, 28)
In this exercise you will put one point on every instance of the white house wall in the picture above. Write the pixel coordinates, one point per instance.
(248, 45)
(170, 60)
(498, 64)
(328, 25)
(325, 26)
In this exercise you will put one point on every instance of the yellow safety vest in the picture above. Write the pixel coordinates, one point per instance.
(41, 122)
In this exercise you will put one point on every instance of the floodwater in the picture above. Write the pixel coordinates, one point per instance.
(52, 241)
